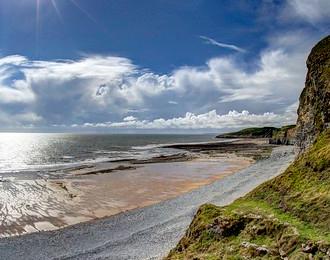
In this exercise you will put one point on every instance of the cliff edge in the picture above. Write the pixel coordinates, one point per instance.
(314, 101)
(288, 216)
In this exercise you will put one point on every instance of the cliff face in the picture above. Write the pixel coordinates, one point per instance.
(288, 216)
(314, 105)
(253, 132)
(284, 135)
(284, 218)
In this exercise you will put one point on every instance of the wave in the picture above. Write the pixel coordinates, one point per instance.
(102, 156)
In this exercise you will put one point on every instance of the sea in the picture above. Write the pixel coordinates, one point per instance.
(21, 152)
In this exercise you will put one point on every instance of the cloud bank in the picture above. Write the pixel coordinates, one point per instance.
(105, 88)
(312, 11)
(113, 92)
(209, 120)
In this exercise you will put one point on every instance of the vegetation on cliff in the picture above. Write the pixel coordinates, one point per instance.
(283, 135)
(314, 101)
(285, 217)
(253, 132)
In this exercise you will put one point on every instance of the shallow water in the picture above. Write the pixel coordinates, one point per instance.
(31, 151)
(145, 233)
(35, 204)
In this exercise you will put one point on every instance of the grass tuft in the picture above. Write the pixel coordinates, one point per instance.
(287, 216)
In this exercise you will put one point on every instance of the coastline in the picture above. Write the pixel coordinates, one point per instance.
(143, 233)
(93, 191)
(98, 190)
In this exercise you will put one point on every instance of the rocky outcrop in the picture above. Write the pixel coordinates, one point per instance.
(314, 106)
(288, 216)
(284, 218)
(285, 135)
(253, 132)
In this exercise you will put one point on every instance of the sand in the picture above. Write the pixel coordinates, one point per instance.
(86, 193)
(147, 232)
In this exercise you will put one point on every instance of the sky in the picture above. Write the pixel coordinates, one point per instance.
(154, 65)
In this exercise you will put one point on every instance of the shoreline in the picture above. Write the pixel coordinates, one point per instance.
(105, 189)
(91, 194)
(143, 233)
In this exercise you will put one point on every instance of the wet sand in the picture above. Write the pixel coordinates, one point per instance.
(143, 233)
(96, 191)
(108, 194)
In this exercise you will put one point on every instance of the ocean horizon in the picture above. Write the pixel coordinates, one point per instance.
(44, 151)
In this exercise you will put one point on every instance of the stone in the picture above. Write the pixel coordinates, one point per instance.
(314, 101)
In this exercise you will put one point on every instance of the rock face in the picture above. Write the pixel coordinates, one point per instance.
(253, 132)
(285, 135)
(314, 105)
(263, 224)
(284, 218)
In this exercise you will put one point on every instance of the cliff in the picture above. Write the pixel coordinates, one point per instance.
(284, 135)
(288, 216)
(253, 132)
(285, 218)
(314, 101)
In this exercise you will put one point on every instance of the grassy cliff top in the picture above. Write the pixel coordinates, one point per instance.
(256, 132)
(252, 132)
(284, 217)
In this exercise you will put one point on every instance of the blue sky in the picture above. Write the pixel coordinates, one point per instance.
(160, 35)
(191, 64)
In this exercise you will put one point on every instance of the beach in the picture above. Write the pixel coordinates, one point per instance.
(33, 201)
(148, 232)
(113, 209)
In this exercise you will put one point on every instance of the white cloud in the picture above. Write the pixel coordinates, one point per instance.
(20, 119)
(29, 117)
(116, 84)
(18, 92)
(71, 92)
(129, 118)
(13, 90)
(209, 120)
(312, 11)
(105, 88)
(222, 45)
(12, 60)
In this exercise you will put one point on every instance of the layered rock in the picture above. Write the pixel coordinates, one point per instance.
(284, 135)
(253, 132)
(314, 105)
(288, 216)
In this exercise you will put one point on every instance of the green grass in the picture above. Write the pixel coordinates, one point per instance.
(303, 190)
(283, 131)
(306, 230)
(258, 132)
(279, 215)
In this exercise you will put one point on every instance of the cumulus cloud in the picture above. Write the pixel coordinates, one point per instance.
(20, 119)
(312, 11)
(105, 88)
(106, 91)
(129, 118)
(209, 120)
(222, 45)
